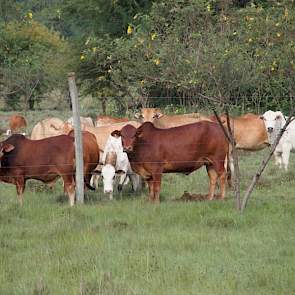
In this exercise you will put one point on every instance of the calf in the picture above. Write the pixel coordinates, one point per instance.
(115, 162)
(274, 122)
(46, 159)
(152, 151)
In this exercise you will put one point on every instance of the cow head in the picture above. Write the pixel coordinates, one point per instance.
(128, 135)
(148, 114)
(108, 174)
(273, 122)
(5, 148)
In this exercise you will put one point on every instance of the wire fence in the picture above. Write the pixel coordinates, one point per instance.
(192, 163)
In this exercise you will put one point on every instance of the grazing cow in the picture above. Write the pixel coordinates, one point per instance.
(108, 120)
(249, 131)
(46, 159)
(16, 124)
(85, 121)
(115, 162)
(50, 127)
(90, 155)
(160, 120)
(274, 122)
(153, 151)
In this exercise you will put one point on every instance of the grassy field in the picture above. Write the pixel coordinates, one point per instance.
(129, 246)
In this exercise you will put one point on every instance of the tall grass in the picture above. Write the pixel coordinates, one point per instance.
(129, 246)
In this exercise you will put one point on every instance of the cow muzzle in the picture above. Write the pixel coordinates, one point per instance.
(269, 129)
(128, 149)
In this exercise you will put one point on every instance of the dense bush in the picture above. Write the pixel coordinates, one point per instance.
(184, 49)
(137, 52)
(33, 60)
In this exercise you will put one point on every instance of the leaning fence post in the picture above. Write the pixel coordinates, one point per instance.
(78, 139)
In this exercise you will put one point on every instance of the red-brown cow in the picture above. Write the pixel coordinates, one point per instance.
(46, 159)
(90, 155)
(16, 123)
(152, 151)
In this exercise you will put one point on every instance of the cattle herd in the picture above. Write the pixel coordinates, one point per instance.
(119, 150)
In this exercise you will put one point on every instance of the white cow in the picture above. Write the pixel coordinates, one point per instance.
(274, 122)
(115, 162)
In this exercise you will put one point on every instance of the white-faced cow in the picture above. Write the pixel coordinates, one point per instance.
(116, 165)
(274, 122)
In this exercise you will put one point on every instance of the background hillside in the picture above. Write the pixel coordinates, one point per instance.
(132, 53)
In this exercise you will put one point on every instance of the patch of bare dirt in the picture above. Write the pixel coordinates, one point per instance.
(190, 197)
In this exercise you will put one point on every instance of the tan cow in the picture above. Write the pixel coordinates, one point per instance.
(249, 131)
(108, 120)
(161, 120)
(50, 127)
(85, 121)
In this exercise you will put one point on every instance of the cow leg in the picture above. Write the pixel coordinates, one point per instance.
(222, 178)
(157, 187)
(69, 188)
(20, 187)
(151, 189)
(212, 180)
(111, 196)
(285, 157)
(136, 182)
(278, 158)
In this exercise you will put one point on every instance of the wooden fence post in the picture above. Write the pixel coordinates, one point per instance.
(78, 138)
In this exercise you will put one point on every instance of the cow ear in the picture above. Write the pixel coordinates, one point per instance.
(279, 115)
(261, 117)
(138, 132)
(120, 172)
(137, 115)
(223, 119)
(158, 115)
(96, 172)
(116, 133)
(7, 147)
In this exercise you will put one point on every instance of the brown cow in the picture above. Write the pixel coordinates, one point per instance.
(153, 151)
(46, 159)
(161, 120)
(108, 120)
(249, 131)
(90, 155)
(16, 123)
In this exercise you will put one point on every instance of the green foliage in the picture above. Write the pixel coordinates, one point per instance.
(184, 49)
(33, 60)
(140, 52)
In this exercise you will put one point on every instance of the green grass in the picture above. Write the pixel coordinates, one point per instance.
(129, 246)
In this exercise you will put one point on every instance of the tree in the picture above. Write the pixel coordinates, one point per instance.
(33, 61)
